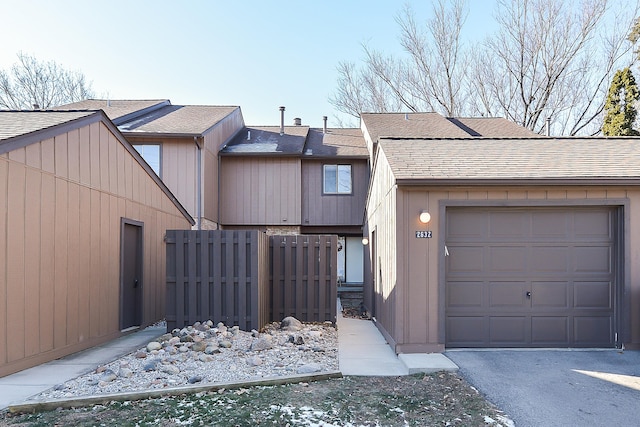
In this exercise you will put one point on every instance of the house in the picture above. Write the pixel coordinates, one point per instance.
(82, 220)
(299, 180)
(180, 143)
(498, 238)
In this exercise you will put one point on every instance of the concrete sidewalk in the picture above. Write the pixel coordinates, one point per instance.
(18, 387)
(362, 350)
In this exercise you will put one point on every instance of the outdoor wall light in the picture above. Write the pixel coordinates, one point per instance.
(365, 241)
(425, 217)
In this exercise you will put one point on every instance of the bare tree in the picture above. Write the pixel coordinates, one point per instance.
(31, 82)
(431, 76)
(548, 58)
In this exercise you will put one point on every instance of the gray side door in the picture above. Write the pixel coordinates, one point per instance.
(530, 277)
(131, 274)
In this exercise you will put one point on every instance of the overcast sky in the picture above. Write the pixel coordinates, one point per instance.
(255, 54)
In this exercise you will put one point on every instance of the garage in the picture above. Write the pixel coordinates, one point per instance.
(530, 276)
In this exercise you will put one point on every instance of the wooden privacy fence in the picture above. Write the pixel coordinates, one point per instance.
(218, 275)
(247, 279)
(304, 277)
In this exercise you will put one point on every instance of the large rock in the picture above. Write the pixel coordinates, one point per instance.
(154, 345)
(290, 324)
(199, 346)
(260, 344)
(309, 368)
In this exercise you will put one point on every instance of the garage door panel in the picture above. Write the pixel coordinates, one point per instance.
(465, 259)
(549, 330)
(469, 330)
(593, 224)
(593, 331)
(508, 330)
(593, 295)
(465, 294)
(507, 294)
(507, 259)
(539, 277)
(550, 225)
(507, 226)
(550, 295)
(593, 259)
(467, 226)
(550, 259)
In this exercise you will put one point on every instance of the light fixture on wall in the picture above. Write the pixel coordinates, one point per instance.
(365, 241)
(425, 217)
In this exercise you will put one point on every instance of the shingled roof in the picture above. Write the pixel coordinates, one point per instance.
(410, 125)
(22, 123)
(118, 110)
(336, 143)
(496, 127)
(478, 160)
(177, 120)
(267, 140)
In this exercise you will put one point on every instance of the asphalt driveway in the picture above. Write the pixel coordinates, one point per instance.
(557, 387)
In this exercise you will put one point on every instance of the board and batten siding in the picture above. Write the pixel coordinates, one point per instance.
(260, 191)
(420, 326)
(61, 204)
(213, 141)
(320, 209)
(381, 218)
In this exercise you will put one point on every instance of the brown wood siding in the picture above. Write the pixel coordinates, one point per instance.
(260, 191)
(320, 209)
(61, 202)
(213, 141)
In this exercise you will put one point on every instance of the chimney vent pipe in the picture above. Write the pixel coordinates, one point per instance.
(281, 121)
(324, 124)
(548, 126)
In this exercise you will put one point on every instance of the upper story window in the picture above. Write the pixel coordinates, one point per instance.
(151, 154)
(337, 179)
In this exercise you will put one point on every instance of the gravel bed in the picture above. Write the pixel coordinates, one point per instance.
(204, 353)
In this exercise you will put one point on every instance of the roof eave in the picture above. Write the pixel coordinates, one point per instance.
(484, 182)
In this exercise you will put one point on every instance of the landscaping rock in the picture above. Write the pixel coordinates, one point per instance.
(153, 345)
(290, 324)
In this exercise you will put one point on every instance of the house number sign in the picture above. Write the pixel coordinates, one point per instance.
(424, 234)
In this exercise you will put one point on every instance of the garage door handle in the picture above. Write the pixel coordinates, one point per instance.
(528, 294)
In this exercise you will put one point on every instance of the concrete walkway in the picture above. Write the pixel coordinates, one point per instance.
(18, 387)
(362, 351)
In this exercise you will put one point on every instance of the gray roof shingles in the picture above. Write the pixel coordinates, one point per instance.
(177, 120)
(509, 159)
(267, 140)
(114, 108)
(336, 143)
(18, 123)
(410, 125)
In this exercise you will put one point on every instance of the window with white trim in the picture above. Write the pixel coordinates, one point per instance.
(337, 179)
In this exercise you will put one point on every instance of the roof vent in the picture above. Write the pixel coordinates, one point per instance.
(36, 107)
(324, 124)
(406, 116)
(297, 121)
(248, 135)
(281, 121)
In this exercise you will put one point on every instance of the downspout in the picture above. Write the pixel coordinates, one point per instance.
(199, 184)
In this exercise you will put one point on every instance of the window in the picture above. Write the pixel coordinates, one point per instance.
(337, 179)
(151, 154)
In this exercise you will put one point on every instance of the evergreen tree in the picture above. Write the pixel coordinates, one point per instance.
(620, 111)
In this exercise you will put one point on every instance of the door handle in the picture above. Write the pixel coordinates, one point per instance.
(135, 283)
(528, 294)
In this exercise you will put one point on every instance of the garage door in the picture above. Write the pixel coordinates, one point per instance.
(536, 277)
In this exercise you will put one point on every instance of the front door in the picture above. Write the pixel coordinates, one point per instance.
(130, 274)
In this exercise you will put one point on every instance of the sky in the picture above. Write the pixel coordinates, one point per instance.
(258, 55)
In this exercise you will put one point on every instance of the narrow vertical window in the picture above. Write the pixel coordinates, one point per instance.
(337, 179)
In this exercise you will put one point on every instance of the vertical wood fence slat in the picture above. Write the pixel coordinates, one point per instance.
(246, 278)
